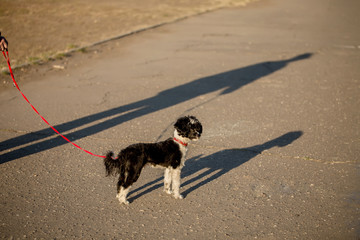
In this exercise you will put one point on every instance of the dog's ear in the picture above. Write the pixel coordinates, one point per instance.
(182, 125)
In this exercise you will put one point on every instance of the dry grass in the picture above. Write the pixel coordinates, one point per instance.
(40, 29)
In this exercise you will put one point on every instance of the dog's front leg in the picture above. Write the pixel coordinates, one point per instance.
(175, 177)
(167, 180)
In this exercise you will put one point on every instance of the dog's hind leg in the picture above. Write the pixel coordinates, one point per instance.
(122, 194)
(125, 182)
(175, 177)
(123, 188)
(167, 180)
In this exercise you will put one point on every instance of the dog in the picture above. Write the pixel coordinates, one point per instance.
(169, 154)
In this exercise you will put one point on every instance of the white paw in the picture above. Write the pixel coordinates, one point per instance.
(123, 201)
(168, 191)
(178, 196)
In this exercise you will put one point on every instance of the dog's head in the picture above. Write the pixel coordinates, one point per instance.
(188, 127)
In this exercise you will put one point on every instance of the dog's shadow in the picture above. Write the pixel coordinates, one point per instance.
(209, 168)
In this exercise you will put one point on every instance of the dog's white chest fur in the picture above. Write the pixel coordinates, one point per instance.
(182, 146)
(183, 151)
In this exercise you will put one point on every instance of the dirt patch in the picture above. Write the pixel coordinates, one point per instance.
(41, 29)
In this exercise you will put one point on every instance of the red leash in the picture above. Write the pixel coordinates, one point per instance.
(17, 86)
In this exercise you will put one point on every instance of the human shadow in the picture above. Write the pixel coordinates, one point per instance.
(211, 167)
(228, 82)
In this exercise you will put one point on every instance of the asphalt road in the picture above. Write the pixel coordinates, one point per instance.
(276, 87)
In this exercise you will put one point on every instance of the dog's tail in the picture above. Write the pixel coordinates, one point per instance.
(112, 165)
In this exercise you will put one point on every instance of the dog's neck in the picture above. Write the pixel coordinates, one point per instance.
(181, 140)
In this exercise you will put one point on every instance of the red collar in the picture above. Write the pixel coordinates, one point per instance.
(181, 142)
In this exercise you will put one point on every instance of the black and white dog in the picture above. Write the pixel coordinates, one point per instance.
(169, 154)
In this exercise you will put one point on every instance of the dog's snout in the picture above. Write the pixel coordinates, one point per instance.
(197, 134)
